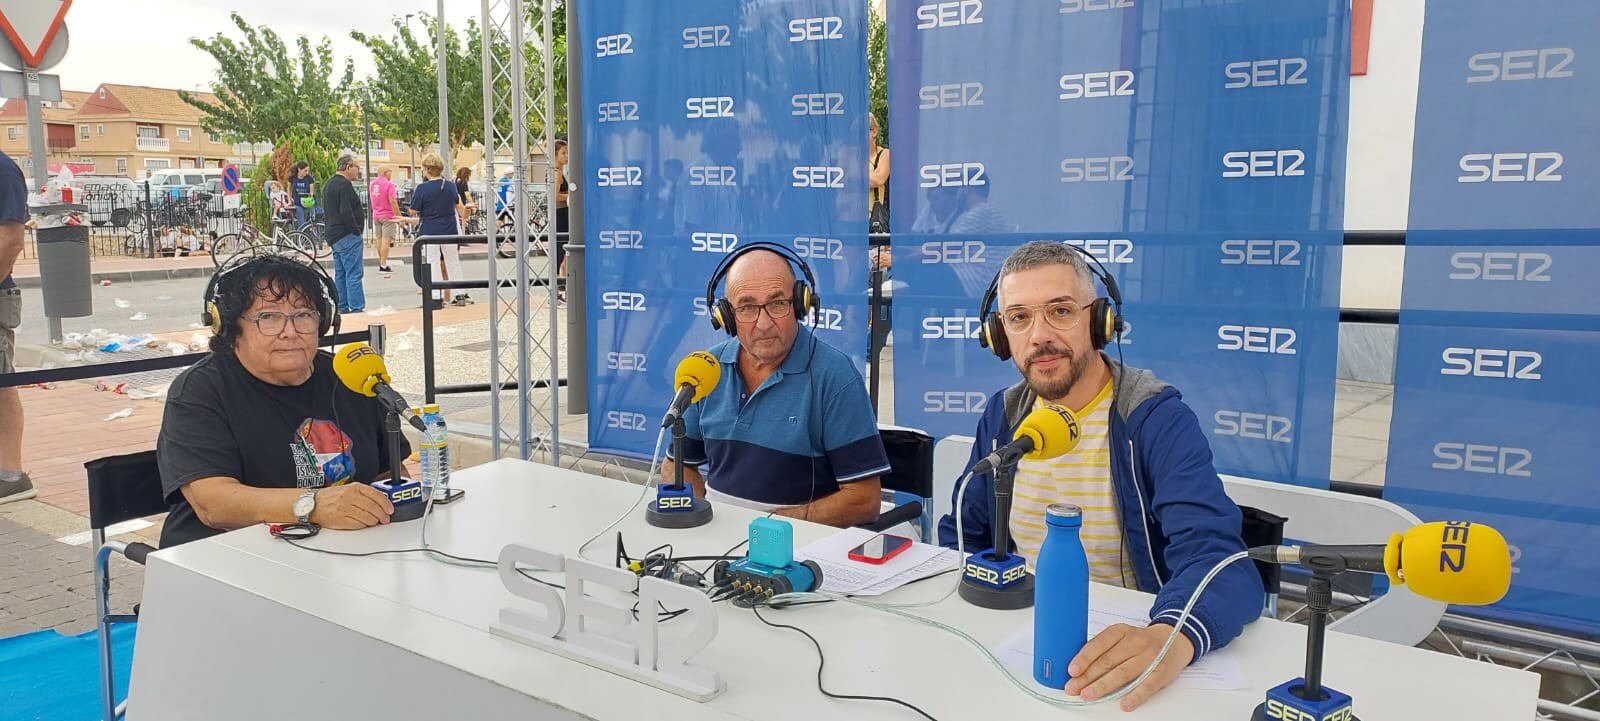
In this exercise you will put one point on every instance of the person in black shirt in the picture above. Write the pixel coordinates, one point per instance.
(302, 185)
(261, 430)
(346, 220)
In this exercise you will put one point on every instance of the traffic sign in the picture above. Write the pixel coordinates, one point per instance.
(32, 26)
(230, 179)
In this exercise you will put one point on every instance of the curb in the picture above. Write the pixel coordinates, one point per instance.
(129, 276)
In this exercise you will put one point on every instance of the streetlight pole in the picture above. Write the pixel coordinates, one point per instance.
(444, 103)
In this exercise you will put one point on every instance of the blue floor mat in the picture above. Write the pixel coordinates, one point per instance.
(45, 676)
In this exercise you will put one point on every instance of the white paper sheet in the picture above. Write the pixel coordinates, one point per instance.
(1218, 671)
(842, 575)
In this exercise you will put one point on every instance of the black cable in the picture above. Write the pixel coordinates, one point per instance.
(822, 661)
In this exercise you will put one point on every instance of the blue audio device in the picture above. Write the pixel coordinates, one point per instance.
(769, 568)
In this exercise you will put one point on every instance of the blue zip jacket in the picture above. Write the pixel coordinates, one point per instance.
(1176, 520)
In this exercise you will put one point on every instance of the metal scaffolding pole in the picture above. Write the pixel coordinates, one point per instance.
(518, 95)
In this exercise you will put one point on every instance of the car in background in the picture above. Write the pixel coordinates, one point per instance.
(112, 199)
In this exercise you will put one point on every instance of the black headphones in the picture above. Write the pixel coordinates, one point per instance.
(805, 299)
(211, 316)
(1105, 316)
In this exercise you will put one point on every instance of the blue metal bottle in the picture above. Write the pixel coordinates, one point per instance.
(1061, 596)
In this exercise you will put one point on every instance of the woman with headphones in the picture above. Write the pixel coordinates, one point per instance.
(261, 430)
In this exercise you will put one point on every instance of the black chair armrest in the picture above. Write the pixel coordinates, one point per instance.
(137, 552)
(895, 516)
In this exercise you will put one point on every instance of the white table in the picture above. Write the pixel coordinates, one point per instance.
(243, 626)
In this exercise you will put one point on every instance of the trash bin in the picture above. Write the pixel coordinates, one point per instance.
(64, 271)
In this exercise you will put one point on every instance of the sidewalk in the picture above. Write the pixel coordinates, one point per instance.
(122, 269)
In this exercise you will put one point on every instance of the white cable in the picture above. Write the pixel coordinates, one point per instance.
(1024, 686)
(644, 493)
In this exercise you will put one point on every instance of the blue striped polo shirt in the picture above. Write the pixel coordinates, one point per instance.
(808, 428)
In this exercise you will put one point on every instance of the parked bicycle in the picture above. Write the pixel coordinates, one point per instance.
(284, 238)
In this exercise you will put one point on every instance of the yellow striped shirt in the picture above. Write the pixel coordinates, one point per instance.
(1082, 478)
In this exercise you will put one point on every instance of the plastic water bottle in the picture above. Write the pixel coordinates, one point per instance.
(436, 465)
(1061, 596)
(427, 456)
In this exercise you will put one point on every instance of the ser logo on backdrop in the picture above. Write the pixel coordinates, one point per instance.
(946, 327)
(1103, 84)
(708, 108)
(1520, 65)
(627, 362)
(953, 175)
(1500, 265)
(949, 14)
(707, 36)
(1113, 251)
(609, 45)
(621, 111)
(1264, 73)
(1492, 363)
(954, 402)
(1284, 163)
(619, 176)
(1253, 426)
(817, 176)
(1483, 458)
(622, 240)
(623, 301)
(713, 242)
(817, 104)
(626, 420)
(1103, 169)
(713, 176)
(1086, 6)
(829, 319)
(1257, 339)
(805, 30)
(953, 252)
(1511, 167)
(819, 248)
(950, 95)
(1260, 252)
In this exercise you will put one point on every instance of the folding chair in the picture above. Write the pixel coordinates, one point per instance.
(910, 479)
(121, 488)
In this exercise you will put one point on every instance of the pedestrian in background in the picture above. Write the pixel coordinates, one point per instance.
(386, 215)
(15, 485)
(438, 204)
(302, 191)
(346, 218)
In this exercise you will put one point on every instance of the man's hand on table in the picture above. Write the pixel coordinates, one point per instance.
(350, 507)
(1119, 654)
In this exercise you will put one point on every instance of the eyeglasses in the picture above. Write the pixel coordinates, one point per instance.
(775, 310)
(272, 322)
(1061, 315)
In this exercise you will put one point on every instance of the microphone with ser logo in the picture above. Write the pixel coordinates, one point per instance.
(1456, 562)
(361, 370)
(997, 578)
(675, 505)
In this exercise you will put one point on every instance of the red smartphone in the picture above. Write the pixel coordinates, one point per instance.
(880, 548)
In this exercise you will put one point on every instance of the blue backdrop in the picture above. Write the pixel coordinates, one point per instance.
(1197, 151)
(708, 125)
(1496, 403)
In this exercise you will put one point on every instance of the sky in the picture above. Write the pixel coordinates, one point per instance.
(146, 42)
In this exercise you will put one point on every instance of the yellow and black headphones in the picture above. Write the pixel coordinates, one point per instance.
(805, 298)
(1105, 314)
(212, 317)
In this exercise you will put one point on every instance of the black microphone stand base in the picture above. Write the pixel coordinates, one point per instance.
(698, 514)
(408, 511)
(1015, 596)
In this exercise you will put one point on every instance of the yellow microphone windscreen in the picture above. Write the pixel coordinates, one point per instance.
(360, 368)
(1451, 561)
(701, 371)
(1054, 431)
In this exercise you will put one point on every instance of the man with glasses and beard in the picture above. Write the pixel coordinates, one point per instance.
(1155, 516)
(261, 430)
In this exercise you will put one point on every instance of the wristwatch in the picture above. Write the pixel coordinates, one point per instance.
(305, 505)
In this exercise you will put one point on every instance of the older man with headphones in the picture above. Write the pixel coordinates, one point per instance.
(790, 428)
(261, 430)
(1155, 516)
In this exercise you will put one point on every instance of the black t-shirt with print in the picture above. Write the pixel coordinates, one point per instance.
(222, 421)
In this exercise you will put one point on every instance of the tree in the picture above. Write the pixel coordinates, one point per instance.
(878, 70)
(264, 93)
(403, 95)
